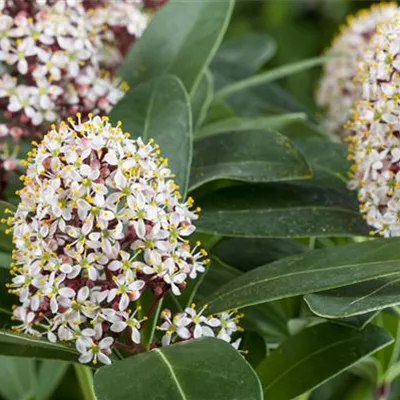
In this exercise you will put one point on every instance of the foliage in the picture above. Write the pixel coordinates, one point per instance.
(284, 234)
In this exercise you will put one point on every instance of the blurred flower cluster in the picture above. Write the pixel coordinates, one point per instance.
(338, 90)
(101, 221)
(58, 57)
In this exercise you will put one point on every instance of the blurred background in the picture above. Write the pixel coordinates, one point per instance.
(301, 29)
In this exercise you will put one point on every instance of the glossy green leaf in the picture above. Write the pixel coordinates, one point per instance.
(356, 299)
(246, 254)
(196, 370)
(242, 124)
(160, 109)
(202, 99)
(181, 39)
(310, 272)
(315, 355)
(280, 210)
(21, 345)
(249, 156)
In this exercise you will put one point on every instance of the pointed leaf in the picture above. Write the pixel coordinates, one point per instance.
(356, 299)
(309, 272)
(249, 156)
(181, 39)
(242, 124)
(160, 109)
(280, 210)
(20, 345)
(196, 370)
(315, 355)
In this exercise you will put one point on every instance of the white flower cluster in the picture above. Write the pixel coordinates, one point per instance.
(375, 146)
(55, 59)
(100, 221)
(337, 91)
(191, 324)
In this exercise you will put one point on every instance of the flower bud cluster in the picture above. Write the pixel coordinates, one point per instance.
(60, 56)
(100, 221)
(375, 146)
(337, 90)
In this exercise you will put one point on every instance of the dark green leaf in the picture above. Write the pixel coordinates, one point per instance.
(20, 345)
(49, 377)
(181, 40)
(202, 99)
(315, 355)
(160, 109)
(246, 254)
(242, 124)
(328, 160)
(280, 210)
(356, 299)
(202, 369)
(249, 156)
(310, 272)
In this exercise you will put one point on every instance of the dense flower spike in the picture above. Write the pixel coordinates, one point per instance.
(60, 56)
(337, 90)
(100, 221)
(375, 146)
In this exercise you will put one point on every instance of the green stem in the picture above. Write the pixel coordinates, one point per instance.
(304, 396)
(85, 379)
(271, 75)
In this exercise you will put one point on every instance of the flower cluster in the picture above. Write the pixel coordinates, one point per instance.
(375, 146)
(60, 56)
(100, 221)
(191, 324)
(337, 91)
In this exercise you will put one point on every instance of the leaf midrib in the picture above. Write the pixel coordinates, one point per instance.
(172, 372)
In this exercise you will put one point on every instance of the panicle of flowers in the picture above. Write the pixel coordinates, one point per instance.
(337, 90)
(100, 221)
(60, 56)
(375, 121)
(192, 324)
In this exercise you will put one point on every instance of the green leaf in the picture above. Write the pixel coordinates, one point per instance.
(242, 124)
(247, 53)
(356, 299)
(202, 99)
(50, 374)
(181, 39)
(196, 370)
(17, 378)
(21, 345)
(246, 254)
(249, 156)
(310, 272)
(280, 210)
(317, 354)
(160, 109)
(328, 160)
(271, 75)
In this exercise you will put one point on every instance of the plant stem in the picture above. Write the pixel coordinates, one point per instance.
(271, 75)
(85, 378)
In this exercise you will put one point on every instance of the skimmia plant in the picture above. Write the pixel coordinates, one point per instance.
(115, 285)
